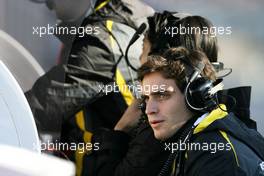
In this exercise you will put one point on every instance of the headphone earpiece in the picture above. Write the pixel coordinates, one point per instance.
(198, 96)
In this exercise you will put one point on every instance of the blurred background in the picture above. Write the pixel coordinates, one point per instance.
(241, 50)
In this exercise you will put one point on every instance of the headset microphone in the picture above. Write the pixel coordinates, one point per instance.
(142, 28)
(138, 33)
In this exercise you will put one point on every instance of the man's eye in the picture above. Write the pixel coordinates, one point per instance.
(162, 96)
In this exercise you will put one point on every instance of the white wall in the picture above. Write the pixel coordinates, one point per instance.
(17, 18)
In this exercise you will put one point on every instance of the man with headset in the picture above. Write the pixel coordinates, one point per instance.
(130, 150)
(134, 155)
(183, 110)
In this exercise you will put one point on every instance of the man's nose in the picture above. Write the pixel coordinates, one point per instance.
(151, 107)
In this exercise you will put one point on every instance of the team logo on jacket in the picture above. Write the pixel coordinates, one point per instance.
(262, 165)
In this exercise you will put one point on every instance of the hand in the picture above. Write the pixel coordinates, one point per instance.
(130, 118)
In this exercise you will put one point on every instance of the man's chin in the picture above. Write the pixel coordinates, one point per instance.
(160, 136)
(163, 135)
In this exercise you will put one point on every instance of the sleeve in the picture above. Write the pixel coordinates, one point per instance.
(51, 99)
(142, 155)
(65, 89)
(112, 147)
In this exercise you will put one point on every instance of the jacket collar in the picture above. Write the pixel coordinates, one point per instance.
(207, 119)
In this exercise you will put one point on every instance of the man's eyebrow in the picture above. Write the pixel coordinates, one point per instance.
(160, 92)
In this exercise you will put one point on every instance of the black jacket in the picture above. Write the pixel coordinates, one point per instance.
(92, 63)
(227, 147)
(121, 154)
(220, 145)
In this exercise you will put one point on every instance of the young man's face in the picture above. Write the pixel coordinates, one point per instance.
(165, 105)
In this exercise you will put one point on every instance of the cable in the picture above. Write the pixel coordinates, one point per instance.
(141, 29)
(186, 135)
(119, 46)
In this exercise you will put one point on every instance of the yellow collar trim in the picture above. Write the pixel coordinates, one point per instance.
(214, 115)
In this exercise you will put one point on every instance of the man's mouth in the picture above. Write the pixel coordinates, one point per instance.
(155, 123)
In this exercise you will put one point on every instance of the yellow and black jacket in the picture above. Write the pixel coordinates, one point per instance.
(93, 58)
(227, 147)
(219, 145)
(67, 100)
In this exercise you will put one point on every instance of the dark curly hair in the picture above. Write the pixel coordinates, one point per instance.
(160, 42)
(178, 64)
